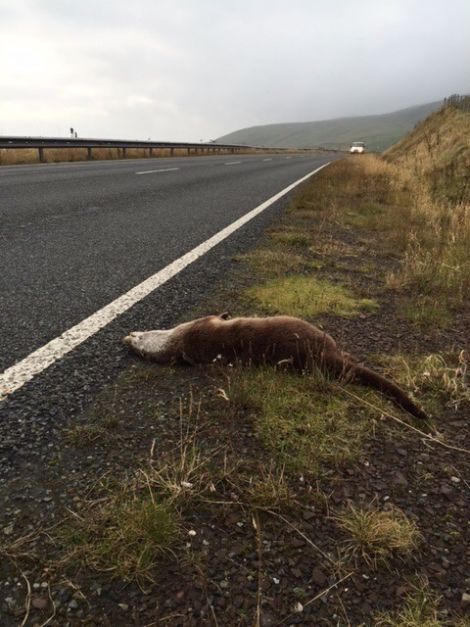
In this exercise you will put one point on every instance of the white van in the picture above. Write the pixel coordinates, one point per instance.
(357, 148)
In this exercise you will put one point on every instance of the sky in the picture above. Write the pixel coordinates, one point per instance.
(186, 70)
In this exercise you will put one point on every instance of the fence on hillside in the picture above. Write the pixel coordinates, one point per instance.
(458, 101)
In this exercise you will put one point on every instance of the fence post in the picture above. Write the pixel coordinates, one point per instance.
(89, 155)
(150, 152)
(172, 152)
(41, 154)
(124, 152)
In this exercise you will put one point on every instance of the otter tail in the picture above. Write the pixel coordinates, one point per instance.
(345, 366)
(388, 388)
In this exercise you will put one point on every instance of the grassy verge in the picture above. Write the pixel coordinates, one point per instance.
(242, 490)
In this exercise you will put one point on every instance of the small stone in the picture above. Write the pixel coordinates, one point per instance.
(39, 603)
(224, 584)
(191, 532)
(73, 604)
(465, 600)
(455, 480)
(400, 479)
(318, 576)
(8, 530)
(124, 607)
(276, 581)
(298, 607)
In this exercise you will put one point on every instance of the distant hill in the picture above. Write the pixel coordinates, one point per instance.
(377, 131)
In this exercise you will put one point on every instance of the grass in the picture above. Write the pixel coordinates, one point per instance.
(126, 531)
(306, 297)
(123, 535)
(274, 261)
(426, 312)
(269, 488)
(291, 236)
(420, 609)
(376, 535)
(441, 379)
(299, 420)
(84, 435)
(16, 156)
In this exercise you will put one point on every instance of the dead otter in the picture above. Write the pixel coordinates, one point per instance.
(277, 340)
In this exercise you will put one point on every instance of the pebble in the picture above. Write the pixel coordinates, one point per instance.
(39, 603)
(465, 600)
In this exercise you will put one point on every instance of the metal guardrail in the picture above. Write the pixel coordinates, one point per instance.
(68, 142)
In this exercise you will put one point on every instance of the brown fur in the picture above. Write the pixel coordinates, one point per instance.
(277, 340)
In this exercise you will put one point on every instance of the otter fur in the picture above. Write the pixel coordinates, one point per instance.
(277, 340)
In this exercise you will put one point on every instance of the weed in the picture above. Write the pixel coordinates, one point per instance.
(291, 236)
(420, 609)
(443, 379)
(123, 535)
(376, 535)
(426, 312)
(84, 435)
(306, 296)
(269, 489)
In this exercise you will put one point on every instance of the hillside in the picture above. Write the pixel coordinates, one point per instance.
(378, 131)
(438, 149)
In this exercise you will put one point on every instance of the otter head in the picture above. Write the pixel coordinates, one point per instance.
(151, 344)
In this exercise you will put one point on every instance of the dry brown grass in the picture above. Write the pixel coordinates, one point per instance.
(420, 609)
(17, 156)
(376, 535)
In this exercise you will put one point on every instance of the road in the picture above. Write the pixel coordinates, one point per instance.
(73, 237)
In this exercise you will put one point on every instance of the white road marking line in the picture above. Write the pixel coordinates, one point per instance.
(267, 159)
(20, 373)
(161, 170)
(232, 163)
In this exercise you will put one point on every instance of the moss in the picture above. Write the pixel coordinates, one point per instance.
(306, 296)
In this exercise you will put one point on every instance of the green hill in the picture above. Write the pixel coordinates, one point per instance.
(378, 131)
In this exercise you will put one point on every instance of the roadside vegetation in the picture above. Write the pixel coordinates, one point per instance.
(261, 497)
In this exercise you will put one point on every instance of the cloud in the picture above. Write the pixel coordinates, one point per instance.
(188, 70)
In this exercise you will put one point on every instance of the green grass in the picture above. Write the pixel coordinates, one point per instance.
(306, 296)
(427, 313)
(299, 420)
(123, 535)
(292, 237)
(274, 261)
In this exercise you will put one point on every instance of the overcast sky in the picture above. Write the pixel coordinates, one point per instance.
(197, 69)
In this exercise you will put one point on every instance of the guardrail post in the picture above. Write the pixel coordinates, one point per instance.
(172, 152)
(189, 151)
(89, 155)
(41, 154)
(124, 152)
(150, 152)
